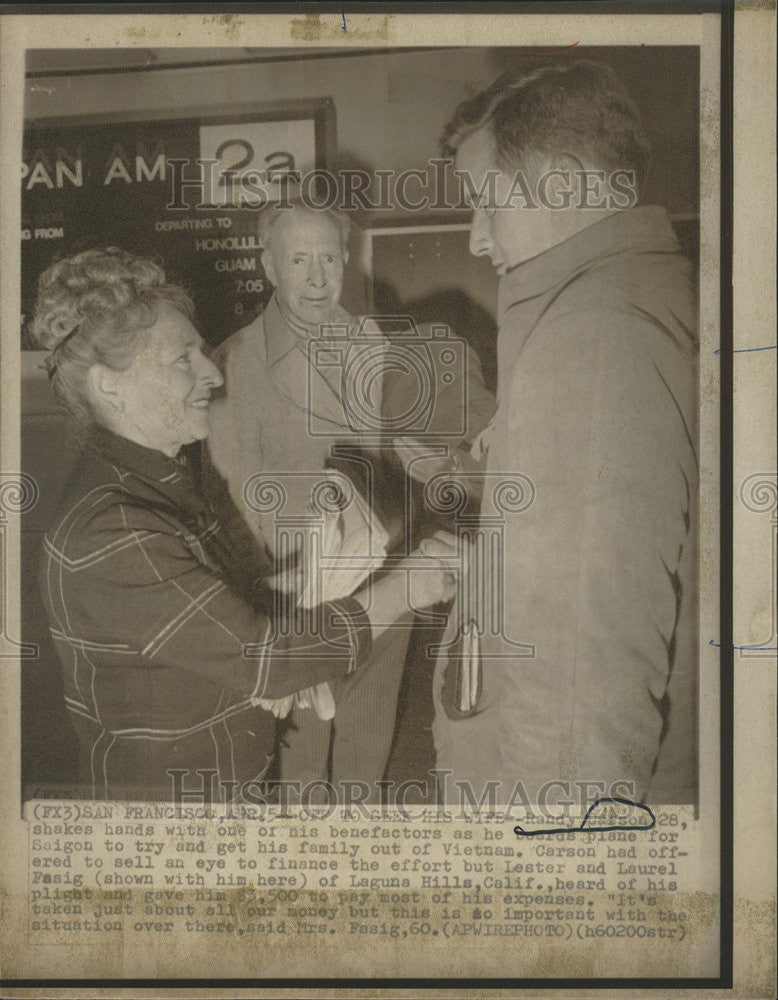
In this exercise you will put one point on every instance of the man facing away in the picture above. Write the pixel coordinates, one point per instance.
(588, 628)
(279, 415)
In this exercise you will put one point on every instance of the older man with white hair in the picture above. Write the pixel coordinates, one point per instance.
(280, 414)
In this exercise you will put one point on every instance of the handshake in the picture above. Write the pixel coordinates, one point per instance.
(344, 553)
(427, 577)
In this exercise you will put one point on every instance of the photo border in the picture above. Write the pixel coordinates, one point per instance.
(725, 978)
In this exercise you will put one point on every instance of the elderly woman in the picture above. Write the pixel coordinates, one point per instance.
(162, 614)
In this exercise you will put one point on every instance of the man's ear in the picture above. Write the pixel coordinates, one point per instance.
(104, 387)
(266, 259)
(345, 256)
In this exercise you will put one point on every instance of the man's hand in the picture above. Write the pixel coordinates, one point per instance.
(428, 587)
(427, 577)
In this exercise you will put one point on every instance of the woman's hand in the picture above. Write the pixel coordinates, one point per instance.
(289, 581)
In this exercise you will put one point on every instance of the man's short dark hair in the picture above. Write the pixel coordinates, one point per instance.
(580, 108)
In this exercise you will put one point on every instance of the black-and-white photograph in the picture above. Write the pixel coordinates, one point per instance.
(471, 318)
(367, 502)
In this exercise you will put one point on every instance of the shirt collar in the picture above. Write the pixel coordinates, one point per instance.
(149, 463)
(647, 227)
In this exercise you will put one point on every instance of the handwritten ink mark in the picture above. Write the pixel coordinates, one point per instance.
(563, 52)
(761, 649)
(583, 828)
(747, 350)
(343, 17)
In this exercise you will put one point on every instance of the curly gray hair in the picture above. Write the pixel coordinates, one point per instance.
(91, 309)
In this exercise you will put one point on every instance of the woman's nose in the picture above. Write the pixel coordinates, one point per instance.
(210, 374)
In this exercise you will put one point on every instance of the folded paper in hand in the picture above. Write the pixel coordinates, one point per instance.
(346, 543)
